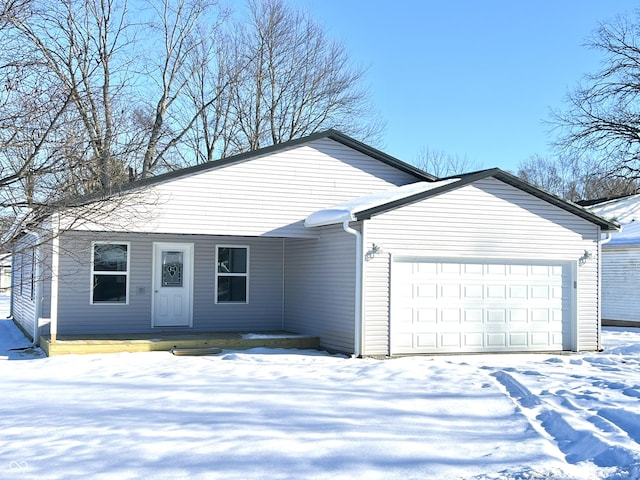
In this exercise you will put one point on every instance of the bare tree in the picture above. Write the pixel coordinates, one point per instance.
(603, 118)
(187, 31)
(78, 43)
(297, 81)
(90, 94)
(210, 92)
(574, 179)
(33, 107)
(442, 164)
(549, 175)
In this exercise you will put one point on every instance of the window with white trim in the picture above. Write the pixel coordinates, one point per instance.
(232, 274)
(110, 272)
(32, 283)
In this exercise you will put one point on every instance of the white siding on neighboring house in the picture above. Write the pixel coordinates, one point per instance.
(320, 287)
(485, 220)
(5, 276)
(621, 283)
(265, 196)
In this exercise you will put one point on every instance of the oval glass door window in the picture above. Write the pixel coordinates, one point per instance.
(172, 267)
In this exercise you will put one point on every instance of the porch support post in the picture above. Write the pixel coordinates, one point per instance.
(55, 272)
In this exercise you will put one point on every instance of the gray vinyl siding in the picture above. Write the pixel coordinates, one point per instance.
(24, 305)
(263, 312)
(320, 287)
(621, 283)
(265, 196)
(488, 219)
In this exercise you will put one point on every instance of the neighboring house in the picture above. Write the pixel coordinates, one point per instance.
(329, 237)
(5, 275)
(623, 210)
(621, 261)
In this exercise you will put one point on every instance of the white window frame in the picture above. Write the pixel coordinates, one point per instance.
(32, 283)
(126, 273)
(218, 274)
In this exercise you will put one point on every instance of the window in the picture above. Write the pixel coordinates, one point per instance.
(21, 271)
(33, 274)
(232, 274)
(110, 273)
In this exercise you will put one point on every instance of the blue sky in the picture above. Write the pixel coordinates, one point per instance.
(470, 78)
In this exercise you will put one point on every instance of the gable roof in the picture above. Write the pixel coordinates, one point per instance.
(248, 156)
(366, 207)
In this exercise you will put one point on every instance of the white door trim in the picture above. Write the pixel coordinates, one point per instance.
(188, 266)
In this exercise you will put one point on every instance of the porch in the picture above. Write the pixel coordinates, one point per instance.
(118, 343)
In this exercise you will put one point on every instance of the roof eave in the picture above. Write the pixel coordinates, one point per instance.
(603, 223)
(246, 156)
(466, 179)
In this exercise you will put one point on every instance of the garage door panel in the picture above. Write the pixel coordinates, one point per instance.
(473, 315)
(540, 339)
(496, 316)
(518, 315)
(518, 270)
(497, 270)
(450, 291)
(450, 340)
(450, 315)
(518, 291)
(496, 340)
(426, 290)
(496, 292)
(479, 306)
(427, 315)
(473, 269)
(426, 340)
(540, 291)
(473, 292)
(473, 340)
(518, 339)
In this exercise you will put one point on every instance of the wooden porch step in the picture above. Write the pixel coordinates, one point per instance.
(192, 352)
(88, 344)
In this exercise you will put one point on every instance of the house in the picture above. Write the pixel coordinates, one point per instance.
(324, 236)
(621, 262)
(5, 275)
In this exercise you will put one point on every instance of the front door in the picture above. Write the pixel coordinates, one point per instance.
(172, 284)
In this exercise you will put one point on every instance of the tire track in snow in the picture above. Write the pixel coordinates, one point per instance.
(579, 434)
(627, 421)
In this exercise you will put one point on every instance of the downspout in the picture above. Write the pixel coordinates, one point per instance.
(602, 241)
(357, 341)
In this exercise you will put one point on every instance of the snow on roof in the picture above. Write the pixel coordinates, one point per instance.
(346, 211)
(630, 235)
(622, 210)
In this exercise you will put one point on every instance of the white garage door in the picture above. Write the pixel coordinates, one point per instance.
(476, 306)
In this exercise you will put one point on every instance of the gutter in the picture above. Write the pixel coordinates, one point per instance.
(357, 341)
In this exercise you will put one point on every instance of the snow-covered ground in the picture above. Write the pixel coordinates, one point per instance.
(284, 414)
